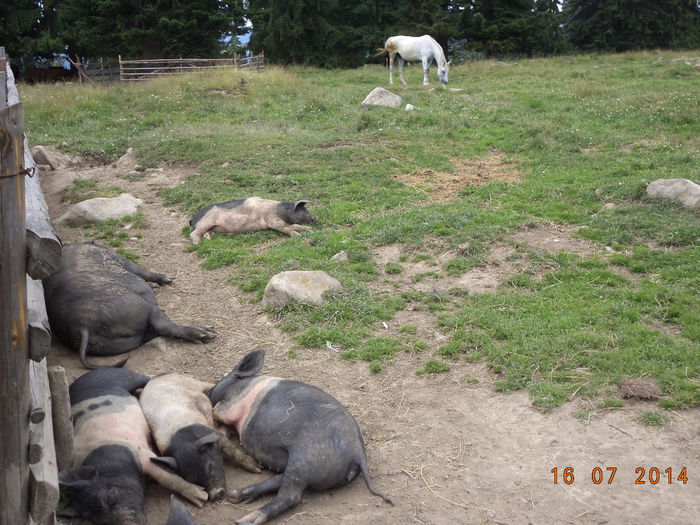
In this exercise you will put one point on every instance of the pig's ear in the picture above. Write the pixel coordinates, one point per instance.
(78, 477)
(168, 462)
(206, 442)
(250, 365)
(300, 204)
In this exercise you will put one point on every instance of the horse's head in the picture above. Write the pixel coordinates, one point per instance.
(442, 71)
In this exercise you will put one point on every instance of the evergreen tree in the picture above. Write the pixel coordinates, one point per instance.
(28, 30)
(150, 28)
(621, 25)
(305, 32)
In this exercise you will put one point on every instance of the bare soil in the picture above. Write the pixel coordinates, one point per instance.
(447, 448)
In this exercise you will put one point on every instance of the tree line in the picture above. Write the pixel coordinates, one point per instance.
(339, 33)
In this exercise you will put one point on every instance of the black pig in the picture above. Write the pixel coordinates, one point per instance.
(112, 451)
(99, 303)
(292, 428)
(250, 215)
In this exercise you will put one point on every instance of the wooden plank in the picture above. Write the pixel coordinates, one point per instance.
(4, 63)
(14, 361)
(61, 415)
(43, 474)
(44, 249)
(11, 88)
(39, 340)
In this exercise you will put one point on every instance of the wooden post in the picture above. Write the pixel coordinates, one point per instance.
(3, 79)
(14, 361)
(121, 70)
(43, 473)
(62, 422)
(39, 341)
(43, 247)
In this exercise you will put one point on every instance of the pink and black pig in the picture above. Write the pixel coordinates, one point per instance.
(112, 451)
(250, 215)
(100, 303)
(292, 428)
(179, 414)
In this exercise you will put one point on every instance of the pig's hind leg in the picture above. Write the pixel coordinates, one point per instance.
(160, 324)
(235, 452)
(290, 488)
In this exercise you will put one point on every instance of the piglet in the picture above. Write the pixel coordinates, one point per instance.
(179, 414)
(292, 428)
(250, 215)
(112, 451)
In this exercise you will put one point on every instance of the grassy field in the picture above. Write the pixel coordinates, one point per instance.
(580, 132)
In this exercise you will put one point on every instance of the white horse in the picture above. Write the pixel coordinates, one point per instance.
(413, 49)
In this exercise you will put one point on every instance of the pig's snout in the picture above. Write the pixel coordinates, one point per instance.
(216, 493)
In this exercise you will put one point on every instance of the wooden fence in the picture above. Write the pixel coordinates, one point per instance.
(29, 251)
(134, 70)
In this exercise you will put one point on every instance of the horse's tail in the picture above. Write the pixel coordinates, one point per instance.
(380, 51)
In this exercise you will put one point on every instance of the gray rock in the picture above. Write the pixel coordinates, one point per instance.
(683, 190)
(298, 286)
(340, 256)
(42, 156)
(127, 161)
(101, 209)
(382, 97)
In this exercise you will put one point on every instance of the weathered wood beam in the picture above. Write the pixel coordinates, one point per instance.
(39, 342)
(14, 361)
(61, 413)
(43, 246)
(43, 473)
(44, 249)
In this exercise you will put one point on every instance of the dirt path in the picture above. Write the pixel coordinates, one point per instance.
(446, 448)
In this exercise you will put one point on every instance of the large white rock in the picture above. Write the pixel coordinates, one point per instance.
(299, 286)
(382, 97)
(680, 189)
(101, 209)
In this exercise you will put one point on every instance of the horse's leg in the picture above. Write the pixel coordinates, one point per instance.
(391, 68)
(401, 69)
(426, 70)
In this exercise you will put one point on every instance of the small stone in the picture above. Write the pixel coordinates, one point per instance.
(382, 97)
(340, 256)
(42, 156)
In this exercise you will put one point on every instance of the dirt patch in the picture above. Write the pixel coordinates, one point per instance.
(554, 238)
(501, 262)
(446, 187)
(639, 144)
(337, 144)
(448, 448)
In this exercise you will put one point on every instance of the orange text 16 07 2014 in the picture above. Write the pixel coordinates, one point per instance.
(607, 475)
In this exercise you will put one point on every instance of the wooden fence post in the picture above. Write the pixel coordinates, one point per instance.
(14, 360)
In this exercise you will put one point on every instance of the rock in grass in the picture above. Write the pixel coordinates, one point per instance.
(683, 190)
(641, 388)
(101, 209)
(298, 286)
(382, 97)
(42, 156)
